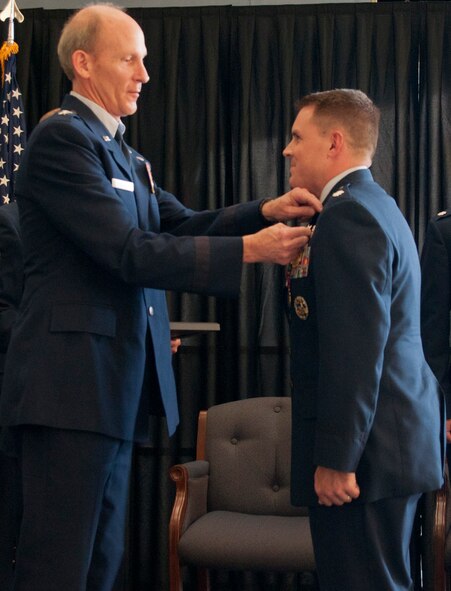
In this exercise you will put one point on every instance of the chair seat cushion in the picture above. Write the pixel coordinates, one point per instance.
(239, 541)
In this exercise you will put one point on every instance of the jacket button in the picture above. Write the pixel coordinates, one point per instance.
(151, 311)
(276, 488)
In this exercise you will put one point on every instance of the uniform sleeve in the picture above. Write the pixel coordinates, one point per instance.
(11, 272)
(234, 220)
(352, 274)
(70, 180)
(435, 306)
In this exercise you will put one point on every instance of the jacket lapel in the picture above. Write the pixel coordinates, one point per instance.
(96, 126)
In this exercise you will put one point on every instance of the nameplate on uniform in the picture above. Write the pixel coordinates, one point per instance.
(123, 184)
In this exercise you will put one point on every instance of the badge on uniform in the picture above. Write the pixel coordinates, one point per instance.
(298, 268)
(300, 265)
(149, 172)
(301, 307)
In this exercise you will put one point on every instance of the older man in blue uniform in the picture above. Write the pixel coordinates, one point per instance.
(90, 353)
(368, 433)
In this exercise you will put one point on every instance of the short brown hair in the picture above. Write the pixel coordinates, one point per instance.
(352, 109)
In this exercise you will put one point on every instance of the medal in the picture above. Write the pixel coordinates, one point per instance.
(288, 283)
(149, 172)
(298, 268)
(301, 308)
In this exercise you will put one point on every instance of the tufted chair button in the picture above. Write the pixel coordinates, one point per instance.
(234, 441)
(276, 487)
(277, 409)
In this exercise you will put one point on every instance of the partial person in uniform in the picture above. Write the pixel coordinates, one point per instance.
(368, 432)
(11, 275)
(90, 354)
(436, 304)
(11, 287)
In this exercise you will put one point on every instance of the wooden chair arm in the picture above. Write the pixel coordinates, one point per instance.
(191, 480)
(439, 537)
(434, 531)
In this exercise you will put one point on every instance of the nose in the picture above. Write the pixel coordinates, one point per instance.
(142, 74)
(287, 151)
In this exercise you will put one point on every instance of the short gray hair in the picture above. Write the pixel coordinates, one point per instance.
(81, 32)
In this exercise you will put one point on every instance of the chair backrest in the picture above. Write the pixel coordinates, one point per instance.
(248, 446)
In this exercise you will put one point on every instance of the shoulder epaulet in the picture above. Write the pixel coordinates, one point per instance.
(441, 215)
(341, 190)
(54, 112)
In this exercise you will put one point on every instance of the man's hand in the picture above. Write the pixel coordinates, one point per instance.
(296, 204)
(175, 344)
(276, 244)
(448, 430)
(334, 487)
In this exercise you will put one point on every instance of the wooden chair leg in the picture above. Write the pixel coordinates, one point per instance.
(175, 574)
(203, 579)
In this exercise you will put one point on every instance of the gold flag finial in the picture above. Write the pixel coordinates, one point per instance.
(11, 12)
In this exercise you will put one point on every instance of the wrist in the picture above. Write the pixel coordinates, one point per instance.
(263, 211)
(251, 251)
(247, 248)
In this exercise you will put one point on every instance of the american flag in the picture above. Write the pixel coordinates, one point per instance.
(12, 127)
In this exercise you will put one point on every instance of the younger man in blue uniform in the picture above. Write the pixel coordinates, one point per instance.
(367, 418)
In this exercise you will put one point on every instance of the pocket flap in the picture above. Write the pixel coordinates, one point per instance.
(83, 318)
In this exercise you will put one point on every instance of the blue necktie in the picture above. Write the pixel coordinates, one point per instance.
(120, 140)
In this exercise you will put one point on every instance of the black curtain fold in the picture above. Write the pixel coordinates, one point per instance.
(213, 121)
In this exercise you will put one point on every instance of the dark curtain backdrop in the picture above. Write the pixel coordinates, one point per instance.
(213, 121)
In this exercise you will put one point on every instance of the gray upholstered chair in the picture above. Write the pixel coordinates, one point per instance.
(232, 508)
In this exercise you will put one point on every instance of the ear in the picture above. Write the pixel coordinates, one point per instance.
(81, 63)
(337, 143)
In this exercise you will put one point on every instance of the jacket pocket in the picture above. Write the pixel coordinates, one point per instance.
(91, 318)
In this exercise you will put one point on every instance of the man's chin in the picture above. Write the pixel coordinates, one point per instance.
(130, 109)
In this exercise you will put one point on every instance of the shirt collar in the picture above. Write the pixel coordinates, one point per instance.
(331, 184)
(110, 122)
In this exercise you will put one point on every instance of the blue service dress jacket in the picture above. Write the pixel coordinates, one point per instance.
(436, 300)
(101, 244)
(11, 275)
(364, 398)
